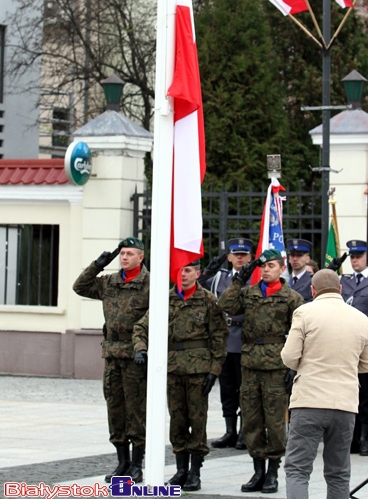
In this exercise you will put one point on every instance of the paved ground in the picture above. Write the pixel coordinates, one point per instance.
(55, 431)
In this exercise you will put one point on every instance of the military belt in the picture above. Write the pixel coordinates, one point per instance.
(186, 345)
(268, 339)
(115, 336)
(231, 322)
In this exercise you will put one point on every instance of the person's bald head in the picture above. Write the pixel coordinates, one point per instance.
(325, 281)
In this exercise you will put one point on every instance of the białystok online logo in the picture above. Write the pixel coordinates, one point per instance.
(120, 486)
(123, 486)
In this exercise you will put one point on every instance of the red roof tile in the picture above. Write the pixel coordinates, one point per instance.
(32, 171)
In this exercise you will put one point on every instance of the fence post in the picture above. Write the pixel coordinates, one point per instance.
(223, 222)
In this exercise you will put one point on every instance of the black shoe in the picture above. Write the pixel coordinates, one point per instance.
(271, 484)
(230, 438)
(194, 482)
(240, 444)
(182, 465)
(256, 482)
(135, 469)
(124, 462)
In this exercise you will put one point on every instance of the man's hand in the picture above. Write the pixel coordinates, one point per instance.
(337, 262)
(208, 383)
(140, 358)
(289, 379)
(246, 271)
(215, 265)
(105, 258)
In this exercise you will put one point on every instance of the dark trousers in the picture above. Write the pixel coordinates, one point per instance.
(124, 387)
(363, 398)
(230, 381)
(307, 427)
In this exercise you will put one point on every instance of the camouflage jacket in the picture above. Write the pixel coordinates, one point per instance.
(123, 305)
(199, 319)
(264, 317)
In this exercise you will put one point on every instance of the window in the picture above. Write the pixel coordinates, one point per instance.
(29, 262)
(2, 51)
(60, 127)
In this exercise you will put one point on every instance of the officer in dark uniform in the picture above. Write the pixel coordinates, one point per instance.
(355, 293)
(239, 253)
(300, 280)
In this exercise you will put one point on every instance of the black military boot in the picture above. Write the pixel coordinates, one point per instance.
(257, 480)
(182, 465)
(123, 459)
(271, 484)
(240, 444)
(230, 437)
(193, 481)
(363, 443)
(135, 469)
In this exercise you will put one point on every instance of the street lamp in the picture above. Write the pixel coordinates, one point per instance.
(113, 88)
(354, 84)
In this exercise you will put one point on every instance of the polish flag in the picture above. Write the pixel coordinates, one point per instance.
(296, 6)
(345, 3)
(271, 235)
(189, 161)
(291, 6)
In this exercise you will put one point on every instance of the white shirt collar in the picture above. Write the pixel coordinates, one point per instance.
(299, 275)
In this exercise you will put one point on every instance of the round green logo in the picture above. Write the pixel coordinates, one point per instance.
(77, 163)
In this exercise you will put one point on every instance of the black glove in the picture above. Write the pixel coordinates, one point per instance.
(337, 262)
(289, 378)
(208, 383)
(140, 358)
(215, 265)
(105, 258)
(246, 271)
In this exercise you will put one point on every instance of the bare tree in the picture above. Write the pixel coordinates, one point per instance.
(82, 42)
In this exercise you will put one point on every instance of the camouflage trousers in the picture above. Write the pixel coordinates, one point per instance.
(124, 387)
(264, 402)
(188, 413)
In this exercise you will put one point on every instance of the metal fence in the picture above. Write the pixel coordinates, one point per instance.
(238, 214)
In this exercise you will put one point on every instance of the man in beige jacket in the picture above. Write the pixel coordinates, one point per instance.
(327, 346)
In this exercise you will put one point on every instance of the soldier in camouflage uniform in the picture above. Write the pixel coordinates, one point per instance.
(268, 307)
(125, 296)
(197, 350)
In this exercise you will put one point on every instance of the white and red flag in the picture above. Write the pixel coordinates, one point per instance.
(189, 161)
(271, 235)
(296, 6)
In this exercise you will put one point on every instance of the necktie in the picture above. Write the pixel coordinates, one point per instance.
(295, 279)
(359, 277)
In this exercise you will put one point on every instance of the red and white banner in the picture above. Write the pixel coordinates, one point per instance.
(189, 161)
(271, 234)
(296, 6)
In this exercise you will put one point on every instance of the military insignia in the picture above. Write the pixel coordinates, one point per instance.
(241, 241)
(295, 242)
(262, 258)
(354, 243)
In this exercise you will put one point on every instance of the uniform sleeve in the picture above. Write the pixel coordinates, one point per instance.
(88, 285)
(140, 334)
(218, 332)
(293, 348)
(231, 299)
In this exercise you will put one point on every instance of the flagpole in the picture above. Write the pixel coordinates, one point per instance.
(305, 30)
(160, 247)
(341, 25)
(315, 21)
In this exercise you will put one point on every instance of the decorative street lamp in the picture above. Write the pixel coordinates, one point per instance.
(113, 88)
(354, 84)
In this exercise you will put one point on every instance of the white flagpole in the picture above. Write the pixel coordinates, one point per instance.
(160, 247)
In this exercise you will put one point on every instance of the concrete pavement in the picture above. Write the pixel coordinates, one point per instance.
(55, 431)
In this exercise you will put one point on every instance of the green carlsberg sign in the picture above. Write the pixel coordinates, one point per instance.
(78, 163)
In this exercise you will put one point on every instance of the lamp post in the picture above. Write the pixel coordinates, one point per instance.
(113, 88)
(354, 84)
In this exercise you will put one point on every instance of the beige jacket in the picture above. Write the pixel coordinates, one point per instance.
(327, 346)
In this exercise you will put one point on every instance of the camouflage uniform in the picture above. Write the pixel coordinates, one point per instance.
(197, 346)
(263, 396)
(124, 382)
